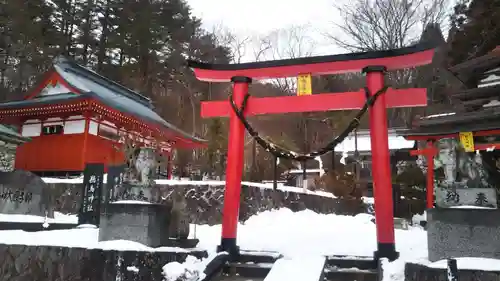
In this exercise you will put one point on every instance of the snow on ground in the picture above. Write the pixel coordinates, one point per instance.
(307, 233)
(58, 218)
(206, 182)
(299, 234)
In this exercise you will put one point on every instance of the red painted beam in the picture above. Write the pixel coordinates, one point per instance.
(486, 146)
(321, 65)
(454, 135)
(429, 151)
(318, 102)
(430, 174)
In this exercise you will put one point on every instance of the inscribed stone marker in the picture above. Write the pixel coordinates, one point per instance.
(24, 193)
(92, 194)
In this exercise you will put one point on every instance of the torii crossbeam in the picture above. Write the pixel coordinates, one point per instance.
(373, 64)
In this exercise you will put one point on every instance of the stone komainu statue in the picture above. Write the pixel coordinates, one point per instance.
(179, 218)
(142, 163)
(146, 166)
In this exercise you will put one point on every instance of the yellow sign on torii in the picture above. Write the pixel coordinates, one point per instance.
(304, 84)
(467, 141)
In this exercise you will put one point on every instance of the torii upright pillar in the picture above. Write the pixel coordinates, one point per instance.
(234, 170)
(373, 64)
(382, 183)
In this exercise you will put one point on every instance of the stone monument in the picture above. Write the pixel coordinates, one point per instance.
(465, 181)
(24, 193)
(134, 208)
(465, 222)
(92, 189)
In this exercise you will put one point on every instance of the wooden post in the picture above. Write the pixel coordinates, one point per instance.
(86, 115)
(234, 171)
(430, 176)
(382, 183)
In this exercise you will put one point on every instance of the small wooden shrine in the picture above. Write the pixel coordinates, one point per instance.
(463, 167)
(76, 116)
(463, 142)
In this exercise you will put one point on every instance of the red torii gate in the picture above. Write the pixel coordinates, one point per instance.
(374, 64)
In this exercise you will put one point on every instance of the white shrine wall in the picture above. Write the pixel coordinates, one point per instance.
(76, 125)
(71, 125)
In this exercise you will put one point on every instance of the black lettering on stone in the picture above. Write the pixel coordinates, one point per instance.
(16, 196)
(28, 197)
(481, 199)
(452, 196)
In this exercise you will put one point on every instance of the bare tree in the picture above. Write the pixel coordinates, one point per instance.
(369, 25)
(238, 44)
(287, 43)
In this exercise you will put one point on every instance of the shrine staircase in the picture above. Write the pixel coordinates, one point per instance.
(266, 266)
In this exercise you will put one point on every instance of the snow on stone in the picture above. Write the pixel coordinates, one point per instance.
(132, 269)
(205, 182)
(131, 202)
(308, 171)
(86, 225)
(417, 218)
(307, 268)
(190, 270)
(259, 253)
(471, 264)
(58, 218)
(438, 115)
(471, 207)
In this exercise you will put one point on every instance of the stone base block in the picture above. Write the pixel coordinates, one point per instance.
(418, 272)
(147, 224)
(463, 233)
(48, 263)
(182, 243)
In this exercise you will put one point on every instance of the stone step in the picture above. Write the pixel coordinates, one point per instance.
(255, 267)
(360, 262)
(350, 274)
(248, 270)
(258, 257)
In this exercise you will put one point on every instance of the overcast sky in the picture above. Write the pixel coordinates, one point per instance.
(260, 17)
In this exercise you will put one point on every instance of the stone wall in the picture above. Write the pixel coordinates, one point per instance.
(418, 272)
(204, 202)
(463, 233)
(28, 263)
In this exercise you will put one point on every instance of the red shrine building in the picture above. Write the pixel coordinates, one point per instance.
(76, 116)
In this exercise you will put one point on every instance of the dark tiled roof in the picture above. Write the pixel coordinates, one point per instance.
(110, 93)
(9, 135)
(43, 100)
(484, 119)
(113, 94)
